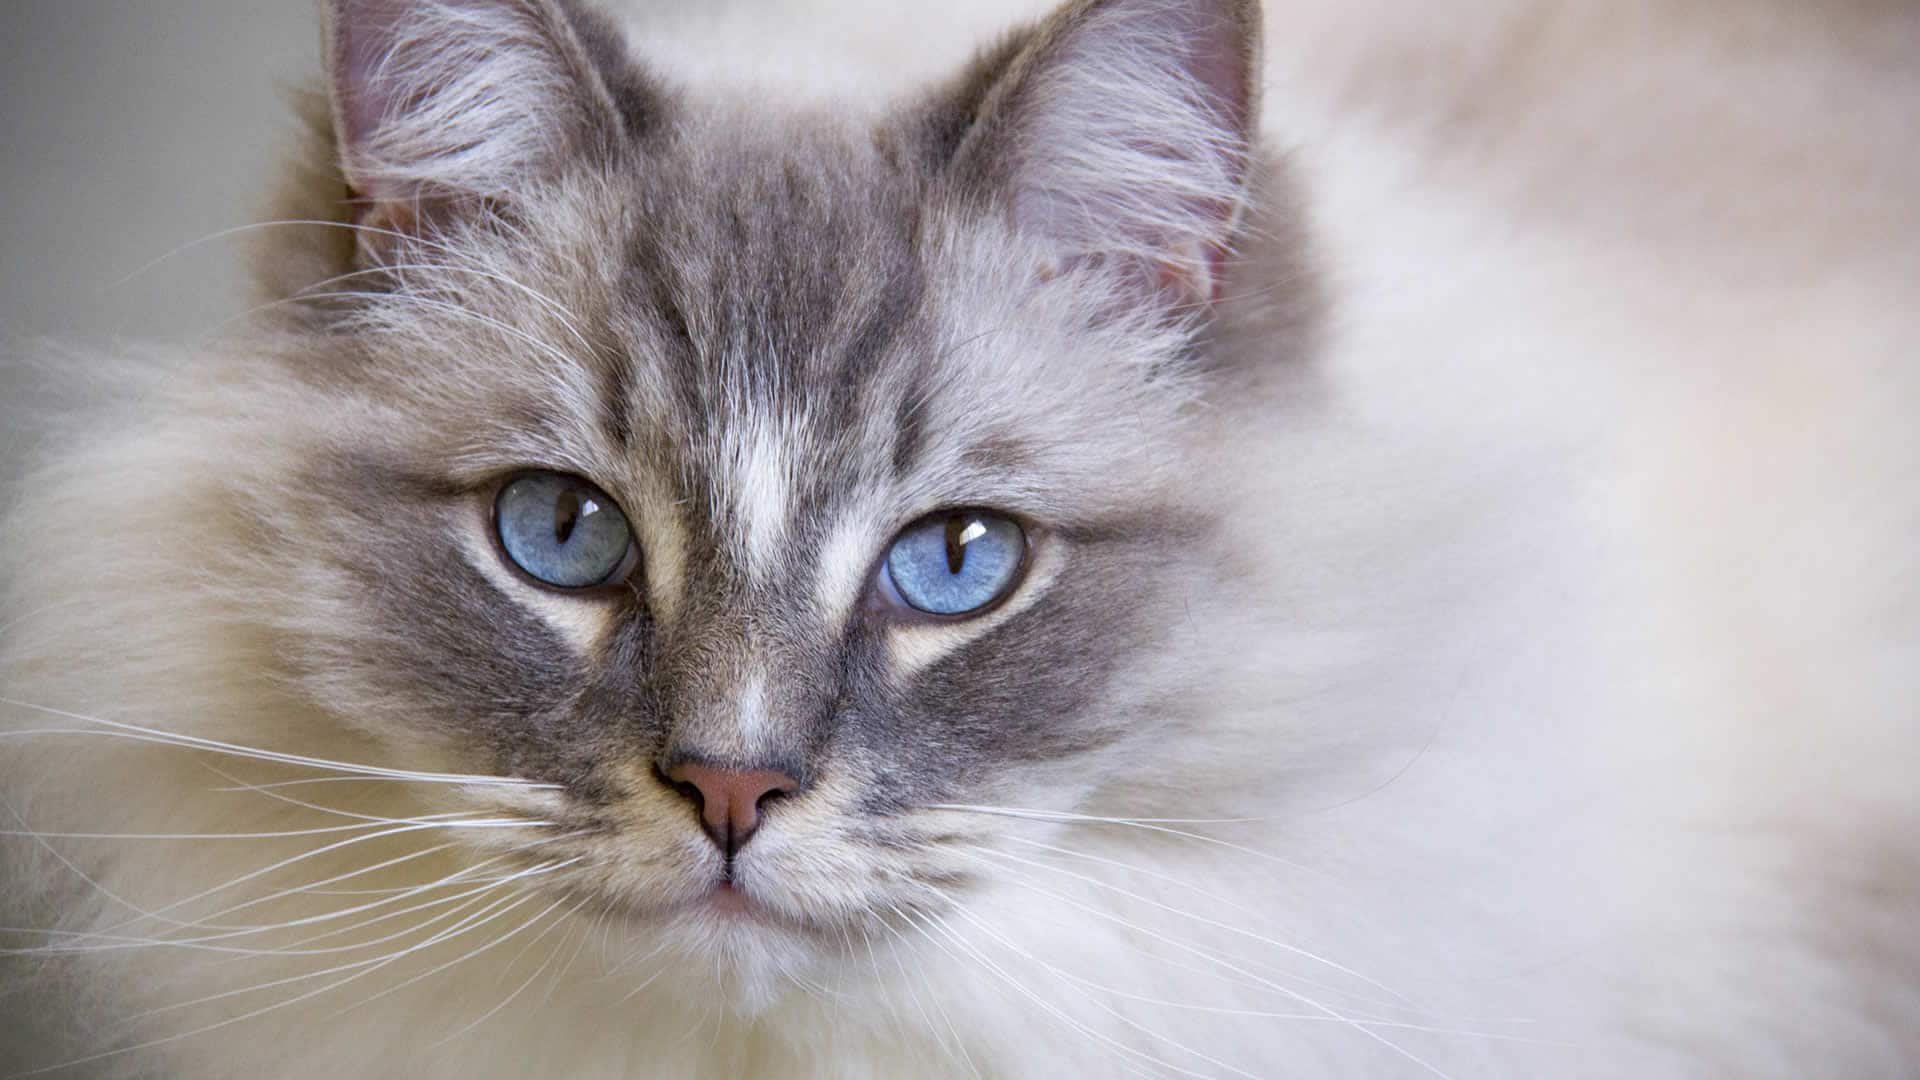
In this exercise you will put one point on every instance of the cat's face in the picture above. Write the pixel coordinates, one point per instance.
(756, 487)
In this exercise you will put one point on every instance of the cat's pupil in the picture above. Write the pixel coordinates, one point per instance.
(566, 514)
(961, 531)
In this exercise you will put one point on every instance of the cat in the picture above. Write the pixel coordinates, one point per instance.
(1329, 541)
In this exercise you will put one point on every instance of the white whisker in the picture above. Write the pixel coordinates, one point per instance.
(959, 1047)
(1049, 1008)
(216, 746)
(495, 943)
(1261, 938)
(586, 933)
(205, 944)
(1140, 823)
(229, 1021)
(649, 980)
(368, 823)
(487, 914)
(295, 890)
(1096, 1003)
(1356, 1024)
(461, 902)
(508, 1000)
(160, 913)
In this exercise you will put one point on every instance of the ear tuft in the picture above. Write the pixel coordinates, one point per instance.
(1122, 133)
(440, 102)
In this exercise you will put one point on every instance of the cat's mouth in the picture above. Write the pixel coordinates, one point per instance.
(725, 908)
(725, 899)
(722, 901)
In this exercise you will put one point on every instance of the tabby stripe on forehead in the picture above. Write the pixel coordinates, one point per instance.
(909, 425)
(885, 317)
(616, 400)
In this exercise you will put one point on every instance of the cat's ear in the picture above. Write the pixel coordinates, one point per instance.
(1122, 131)
(443, 106)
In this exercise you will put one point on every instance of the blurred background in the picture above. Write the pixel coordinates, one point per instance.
(100, 174)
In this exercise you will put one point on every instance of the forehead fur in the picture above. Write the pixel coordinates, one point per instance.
(786, 289)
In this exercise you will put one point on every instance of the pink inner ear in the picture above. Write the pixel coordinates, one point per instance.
(1195, 281)
(1218, 58)
(442, 105)
(1220, 62)
(1130, 138)
(1180, 284)
(364, 33)
(368, 95)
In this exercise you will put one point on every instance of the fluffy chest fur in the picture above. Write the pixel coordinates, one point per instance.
(1464, 622)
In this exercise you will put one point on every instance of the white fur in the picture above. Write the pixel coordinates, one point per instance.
(756, 471)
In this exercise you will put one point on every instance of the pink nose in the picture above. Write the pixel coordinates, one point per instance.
(729, 800)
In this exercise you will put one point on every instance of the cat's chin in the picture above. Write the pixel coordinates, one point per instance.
(724, 949)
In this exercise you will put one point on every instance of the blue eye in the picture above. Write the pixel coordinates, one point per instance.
(562, 530)
(956, 561)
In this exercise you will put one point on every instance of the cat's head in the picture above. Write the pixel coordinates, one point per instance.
(758, 482)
